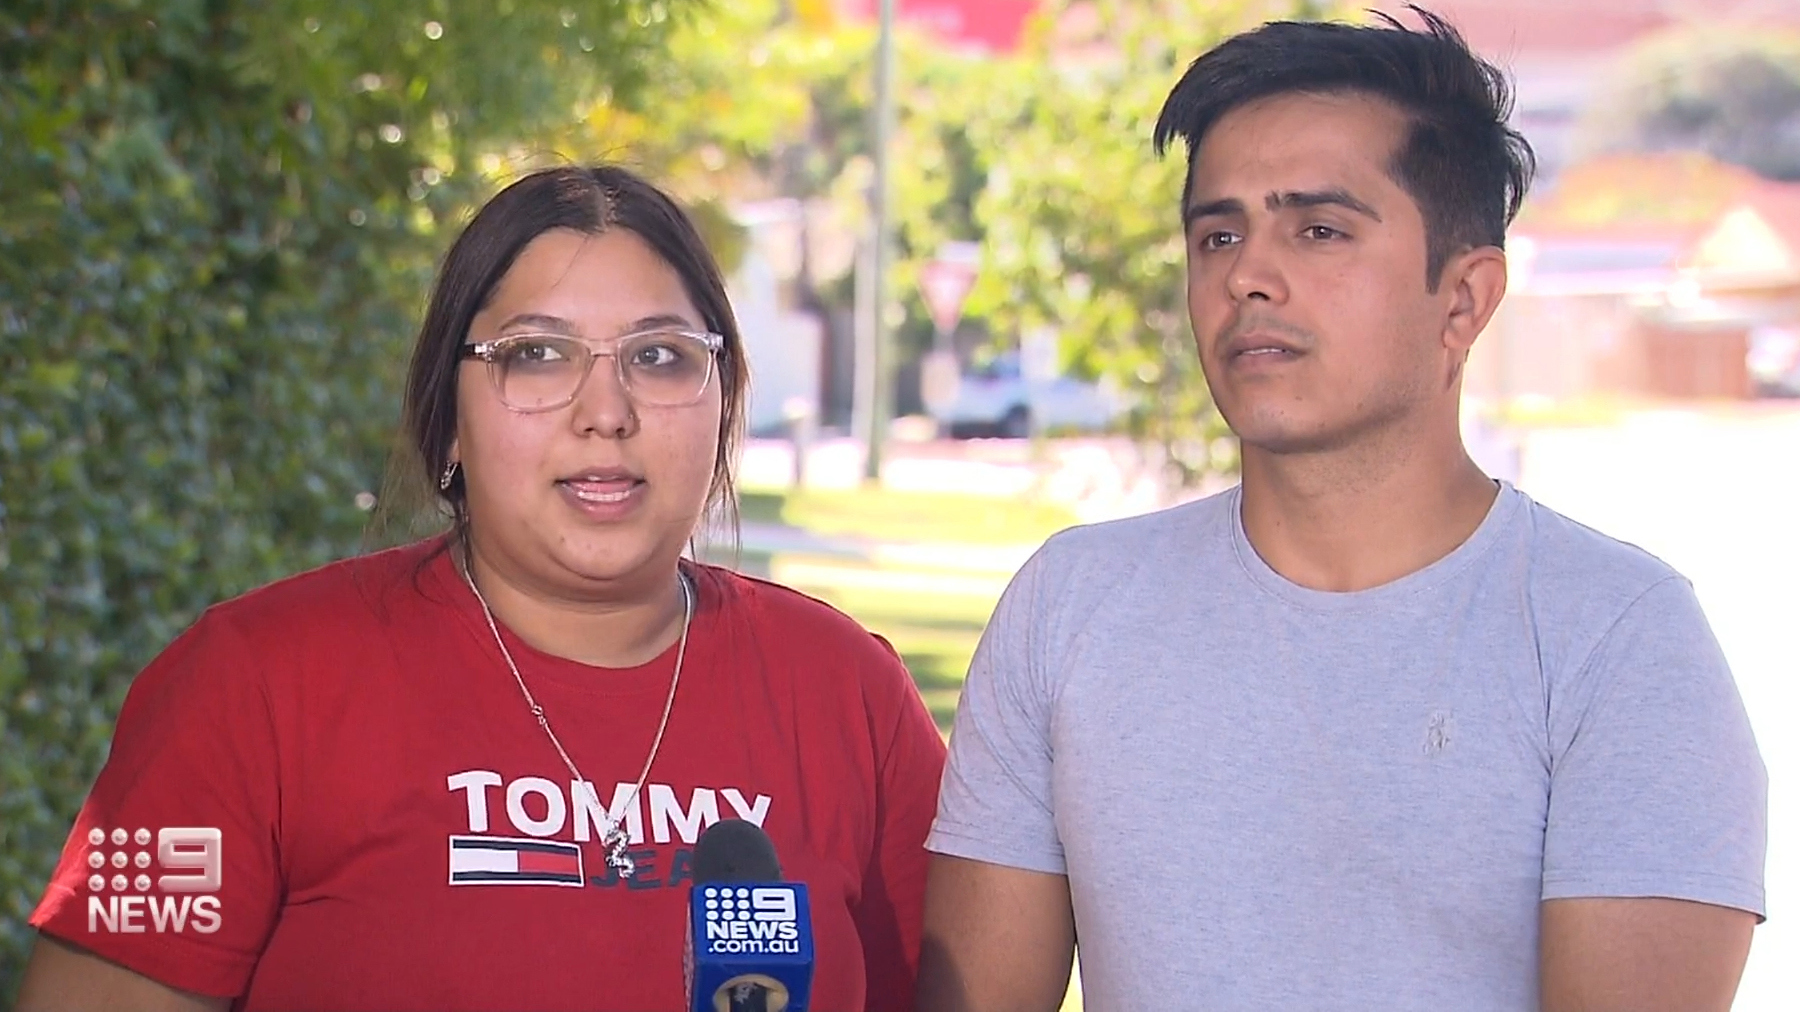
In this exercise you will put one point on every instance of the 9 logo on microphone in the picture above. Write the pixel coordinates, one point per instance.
(124, 898)
(751, 919)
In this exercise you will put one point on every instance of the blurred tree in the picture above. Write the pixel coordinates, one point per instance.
(1733, 94)
(1042, 156)
(217, 222)
(800, 134)
(1079, 220)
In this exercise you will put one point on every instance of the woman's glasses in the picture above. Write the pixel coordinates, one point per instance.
(665, 367)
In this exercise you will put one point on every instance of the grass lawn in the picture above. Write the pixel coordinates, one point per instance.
(933, 628)
(907, 516)
(935, 635)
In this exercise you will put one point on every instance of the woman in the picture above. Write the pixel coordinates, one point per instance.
(469, 773)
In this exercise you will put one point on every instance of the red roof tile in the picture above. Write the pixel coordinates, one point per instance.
(1640, 194)
(1511, 28)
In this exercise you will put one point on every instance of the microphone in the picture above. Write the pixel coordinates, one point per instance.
(749, 938)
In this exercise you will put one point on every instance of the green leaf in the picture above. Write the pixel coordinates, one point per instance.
(200, 354)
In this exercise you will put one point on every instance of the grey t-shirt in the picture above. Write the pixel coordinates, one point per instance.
(1267, 797)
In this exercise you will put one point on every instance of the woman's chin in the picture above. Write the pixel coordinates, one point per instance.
(611, 562)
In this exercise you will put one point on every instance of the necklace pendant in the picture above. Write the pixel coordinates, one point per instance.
(616, 855)
(616, 841)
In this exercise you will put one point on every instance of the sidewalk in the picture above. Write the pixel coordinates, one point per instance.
(802, 558)
(984, 560)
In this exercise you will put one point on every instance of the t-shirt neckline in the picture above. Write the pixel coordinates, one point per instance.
(1505, 506)
(537, 667)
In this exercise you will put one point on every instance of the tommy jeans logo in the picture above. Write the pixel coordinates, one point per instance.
(530, 830)
(541, 808)
(491, 860)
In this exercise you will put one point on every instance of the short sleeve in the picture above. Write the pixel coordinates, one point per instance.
(193, 752)
(995, 805)
(1657, 788)
(891, 913)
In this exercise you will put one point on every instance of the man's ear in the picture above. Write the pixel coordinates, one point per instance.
(1475, 281)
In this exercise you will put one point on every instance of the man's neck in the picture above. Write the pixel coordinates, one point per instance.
(1357, 518)
(622, 629)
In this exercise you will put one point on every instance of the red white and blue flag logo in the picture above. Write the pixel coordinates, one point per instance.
(498, 860)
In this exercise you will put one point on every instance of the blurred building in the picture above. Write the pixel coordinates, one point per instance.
(1637, 276)
(1644, 276)
(1561, 52)
(783, 341)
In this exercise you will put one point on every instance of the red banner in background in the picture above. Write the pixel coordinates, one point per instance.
(995, 26)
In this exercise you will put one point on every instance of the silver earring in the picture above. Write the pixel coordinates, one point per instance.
(445, 478)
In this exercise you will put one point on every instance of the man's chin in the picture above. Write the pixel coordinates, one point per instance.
(1287, 445)
(1282, 434)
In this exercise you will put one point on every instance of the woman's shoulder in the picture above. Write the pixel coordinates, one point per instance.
(814, 634)
(780, 611)
(333, 596)
(835, 660)
(241, 654)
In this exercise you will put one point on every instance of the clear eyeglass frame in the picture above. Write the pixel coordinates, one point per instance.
(492, 353)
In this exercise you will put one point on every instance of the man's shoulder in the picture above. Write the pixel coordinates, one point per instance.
(1122, 563)
(1579, 584)
(1181, 528)
(1571, 562)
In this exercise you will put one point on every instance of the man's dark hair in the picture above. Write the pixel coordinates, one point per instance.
(1464, 167)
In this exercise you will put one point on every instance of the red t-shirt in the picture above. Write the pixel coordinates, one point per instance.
(349, 729)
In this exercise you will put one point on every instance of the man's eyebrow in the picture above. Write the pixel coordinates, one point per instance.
(1334, 197)
(1212, 209)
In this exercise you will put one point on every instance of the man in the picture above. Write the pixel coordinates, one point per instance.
(1371, 731)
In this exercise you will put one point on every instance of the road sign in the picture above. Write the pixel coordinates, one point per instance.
(946, 281)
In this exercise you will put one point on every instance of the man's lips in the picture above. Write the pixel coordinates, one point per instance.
(1260, 343)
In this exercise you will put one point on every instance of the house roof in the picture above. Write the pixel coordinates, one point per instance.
(1637, 194)
(1638, 222)
(1515, 28)
(1506, 29)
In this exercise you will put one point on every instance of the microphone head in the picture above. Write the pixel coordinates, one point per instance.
(750, 937)
(734, 850)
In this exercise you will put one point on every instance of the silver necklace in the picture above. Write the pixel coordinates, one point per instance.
(612, 835)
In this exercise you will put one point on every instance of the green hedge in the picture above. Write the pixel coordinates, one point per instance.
(217, 222)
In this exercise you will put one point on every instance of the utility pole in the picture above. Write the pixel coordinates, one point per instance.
(877, 382)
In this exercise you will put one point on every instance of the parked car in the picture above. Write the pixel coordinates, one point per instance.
(1774, 361)
(998, 399)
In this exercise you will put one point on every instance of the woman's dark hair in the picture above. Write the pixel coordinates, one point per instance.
(1464, 167)
(590, 200)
